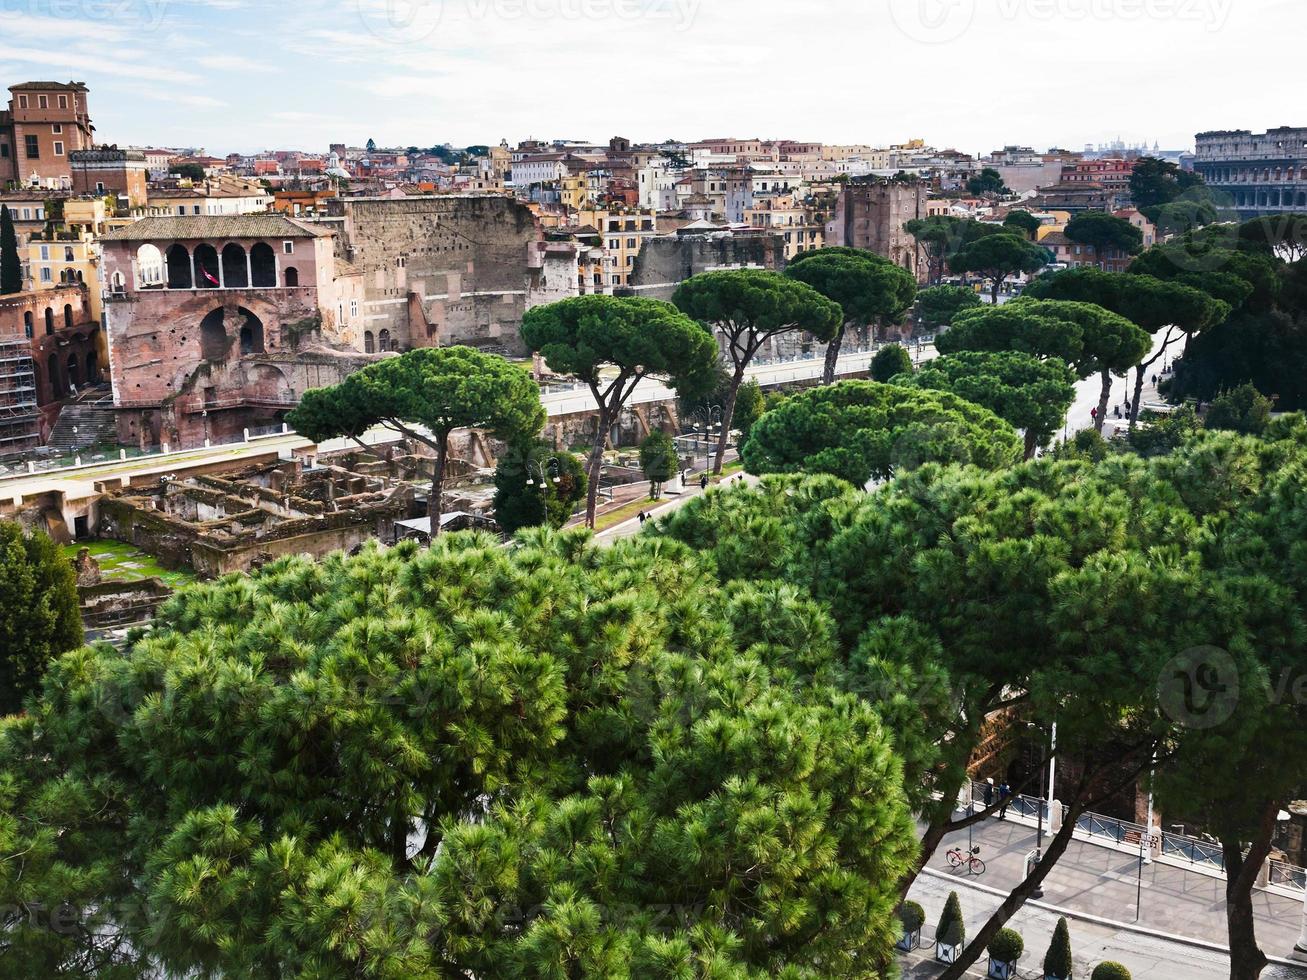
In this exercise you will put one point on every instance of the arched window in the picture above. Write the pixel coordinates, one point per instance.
(292, 277)
(235, 273)
(68, 315)
(179, 268)
(263, 266)
(369, 346)
(206, 267)
(52, 368)
(383, 340)
(49, 321)
(28, 327)
(252, 336)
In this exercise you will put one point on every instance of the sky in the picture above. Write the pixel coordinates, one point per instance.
(248, 75)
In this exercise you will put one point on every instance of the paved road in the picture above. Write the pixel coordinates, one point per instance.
(1147, 957)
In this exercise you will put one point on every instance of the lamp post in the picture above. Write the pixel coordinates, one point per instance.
(707, 414)
(1039, 834)
(543, 468)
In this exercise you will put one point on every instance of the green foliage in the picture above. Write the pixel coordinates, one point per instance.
(912, 916)
(996, 257)
(1030, 394)
(521, 500)
(549, 759)
(867, 287)
(1149, 303)
(1057, 961)
(11, 263)
(1154, 181)
(1024, 222)
(1105, 233)
(1248, 281)
(753, 305)
(640, 337)
(1243, 409)
(39, 615)
(1109, 970)
(1006, 946)
(1268, 351)
(659, 460)
(860, 430)
(951, 930)
(1109, 342)
(1276, 233)
(188, 171)
(938, 305)
(889, 362)
(1027, 327)
(1158, 434)
(1087, 444)
(1182, 216)
(749, 407)
(989, 182)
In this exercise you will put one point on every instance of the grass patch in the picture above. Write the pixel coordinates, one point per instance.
(624, 513)
(121, 562)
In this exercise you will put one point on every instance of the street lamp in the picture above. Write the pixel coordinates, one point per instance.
(707, 414)
(1039, 836)
(543, 468)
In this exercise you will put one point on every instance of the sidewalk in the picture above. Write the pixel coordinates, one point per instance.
(1103, 883)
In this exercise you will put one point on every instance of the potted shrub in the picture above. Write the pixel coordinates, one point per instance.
(1057, 962)
(1110, 971)
(1004, 950)
(950, 934)
(913, 917)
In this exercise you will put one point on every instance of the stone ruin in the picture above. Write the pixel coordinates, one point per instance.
(239, 521)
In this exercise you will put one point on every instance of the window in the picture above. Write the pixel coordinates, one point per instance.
(63, 102)
(353, 308)
(288, 247)
(27, 214)
(58, 148)
(181, 209)
(4, 151)
(22, 102)
(45, 253)
(630, 243)
(45, 273)
(68, 253)
(99, 187)
(42, 102)
(57, 129)
(39, 214)
(195, 209)
(401, 262)
(33, 147)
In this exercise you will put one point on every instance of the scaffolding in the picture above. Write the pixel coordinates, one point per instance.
(20, 427)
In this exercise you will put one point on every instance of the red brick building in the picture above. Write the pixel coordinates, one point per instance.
(45, 123)
(220, 323)
(109, 170)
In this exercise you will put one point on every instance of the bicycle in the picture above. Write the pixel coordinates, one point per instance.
(958, 857)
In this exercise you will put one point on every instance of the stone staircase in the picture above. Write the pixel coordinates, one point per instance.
(93, 420)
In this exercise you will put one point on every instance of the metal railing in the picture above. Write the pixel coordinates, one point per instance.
(1110, 828)
(1288, 876)
(1195, 851)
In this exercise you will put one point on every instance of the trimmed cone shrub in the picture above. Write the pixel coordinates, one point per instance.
(1057, 962)
(1007, 946)
(951, 931)
(912, 915)
(1110, 971)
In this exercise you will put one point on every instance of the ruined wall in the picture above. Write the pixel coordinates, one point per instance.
(462, 258)
(664, 263)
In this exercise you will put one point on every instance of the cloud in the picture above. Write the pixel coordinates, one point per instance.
(232, 62)
(101, 63)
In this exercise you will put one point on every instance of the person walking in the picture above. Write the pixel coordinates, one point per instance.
(1004, 795)
(643, 517)
(703, 482)
(1093, 414)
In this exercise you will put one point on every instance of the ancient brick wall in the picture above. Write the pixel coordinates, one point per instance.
(664, 263)
(464, 259)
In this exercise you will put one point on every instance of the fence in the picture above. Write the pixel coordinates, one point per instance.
(1195, 851)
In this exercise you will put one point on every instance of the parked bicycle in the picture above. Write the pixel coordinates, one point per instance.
(957, 858)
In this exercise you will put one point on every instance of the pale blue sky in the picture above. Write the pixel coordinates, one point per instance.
(975, 74)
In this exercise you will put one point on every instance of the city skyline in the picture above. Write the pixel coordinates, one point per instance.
(421, 72)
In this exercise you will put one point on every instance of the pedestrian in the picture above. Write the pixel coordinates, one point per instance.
(989, 793)
(703, 482)
(1118, 411)
(642, 518)
(1093, 414)
(1004, 793)
(1154, 381)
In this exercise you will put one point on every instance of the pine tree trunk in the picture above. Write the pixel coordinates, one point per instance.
(930, 841)
(1032, 443)
(1103, 399)
(1247, 961)
(728, 415)
(435, 505)
(594, 464)
(998, 285)
(832, 357)
(1139, 394)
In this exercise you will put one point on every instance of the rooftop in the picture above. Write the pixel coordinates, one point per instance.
(181, 227)
(30, 86)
